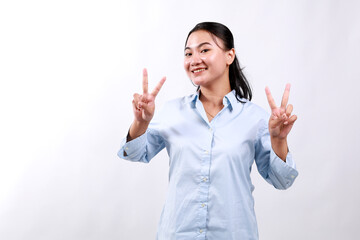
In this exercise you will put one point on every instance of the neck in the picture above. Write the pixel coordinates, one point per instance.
(213, 96)
(213, 93)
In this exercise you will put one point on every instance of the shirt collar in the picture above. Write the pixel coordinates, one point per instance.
(228, 100)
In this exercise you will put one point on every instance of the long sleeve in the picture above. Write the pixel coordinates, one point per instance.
(144, 147)
(274, 170)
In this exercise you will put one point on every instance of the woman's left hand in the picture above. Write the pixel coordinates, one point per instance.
(281, 120)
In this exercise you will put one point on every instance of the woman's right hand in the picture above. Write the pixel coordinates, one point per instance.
(144, 104)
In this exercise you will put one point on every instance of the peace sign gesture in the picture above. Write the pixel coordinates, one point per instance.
(281, 120)
(144, 104)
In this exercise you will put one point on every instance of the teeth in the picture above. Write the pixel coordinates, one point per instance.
(199, 70)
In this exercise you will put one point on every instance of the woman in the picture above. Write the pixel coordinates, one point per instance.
(212, 138)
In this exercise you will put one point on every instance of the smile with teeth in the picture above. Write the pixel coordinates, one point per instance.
(199, 70)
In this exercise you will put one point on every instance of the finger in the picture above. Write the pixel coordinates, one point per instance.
(142, 105)
(136, 100)
(135, 105)
(270, 98)
(285, 97)
(158, 87)
(276, 113)
(147, 108)
(275, 121)
(144, 98)
(289, 110)
(145, 81)
(136, 97)
(290, 120)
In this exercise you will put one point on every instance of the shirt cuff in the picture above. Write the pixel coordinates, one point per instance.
(130, 149)
(286, 171)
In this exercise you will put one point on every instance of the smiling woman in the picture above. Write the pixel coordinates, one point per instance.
(206, 63)
(222, 37)
(213, 137)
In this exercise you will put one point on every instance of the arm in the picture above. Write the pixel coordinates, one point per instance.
(280, 123)
(279, 173)
(141, 143)
(142, 148)
(272, 155)
(143, 108)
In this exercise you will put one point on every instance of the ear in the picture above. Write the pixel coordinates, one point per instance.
(230, 56)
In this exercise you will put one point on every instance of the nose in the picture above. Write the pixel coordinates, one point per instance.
(195, 59)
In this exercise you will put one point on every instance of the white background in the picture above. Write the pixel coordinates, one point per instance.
(68, 70)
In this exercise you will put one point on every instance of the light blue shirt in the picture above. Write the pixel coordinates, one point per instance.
(210, 190)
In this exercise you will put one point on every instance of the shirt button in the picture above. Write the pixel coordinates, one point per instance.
(206, 152)
(204, 179)
(201, 231)
(203, 204)
(126, 148)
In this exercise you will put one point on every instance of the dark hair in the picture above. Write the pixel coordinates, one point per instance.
(237, 78)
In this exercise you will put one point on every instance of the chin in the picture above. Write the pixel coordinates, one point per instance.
(197, 82)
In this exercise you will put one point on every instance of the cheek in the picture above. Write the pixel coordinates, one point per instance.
(186, 65)
(217, 61)
(204, 58)
(214, 58)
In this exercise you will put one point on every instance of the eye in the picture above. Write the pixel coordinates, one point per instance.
(187, 54)
(205, 50)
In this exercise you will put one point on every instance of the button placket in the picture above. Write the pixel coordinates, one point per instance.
(205, 182)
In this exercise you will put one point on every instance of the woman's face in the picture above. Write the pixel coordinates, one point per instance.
(205, 61)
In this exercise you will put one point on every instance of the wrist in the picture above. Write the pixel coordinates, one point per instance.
(280, 147)
(137, 129)
(278, 141)
(140, 123)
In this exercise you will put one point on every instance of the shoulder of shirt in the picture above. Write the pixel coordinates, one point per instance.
(173, 105)
(255, 109)
(179, 101)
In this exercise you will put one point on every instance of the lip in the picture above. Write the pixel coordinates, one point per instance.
(196, 70)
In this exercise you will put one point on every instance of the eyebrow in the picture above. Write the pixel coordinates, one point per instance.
(199, 46)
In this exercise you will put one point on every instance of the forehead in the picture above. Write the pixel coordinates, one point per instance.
(202, 36)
